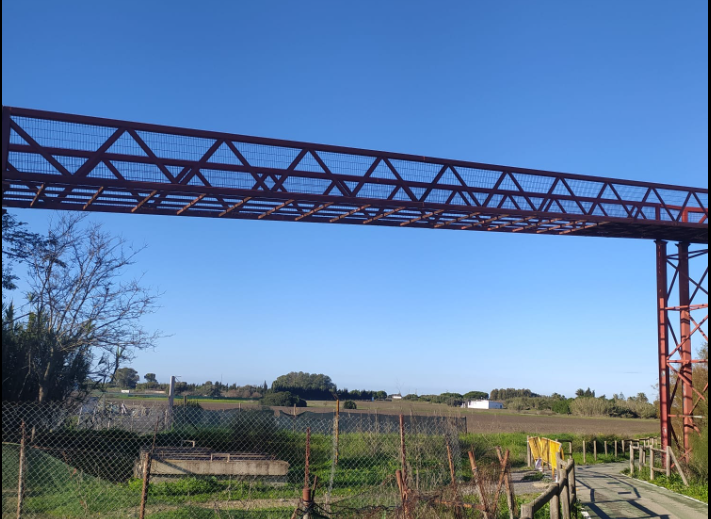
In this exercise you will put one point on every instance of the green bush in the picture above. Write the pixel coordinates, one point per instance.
(561, 407)
(700, 456)
(282, 398)
(349, 404)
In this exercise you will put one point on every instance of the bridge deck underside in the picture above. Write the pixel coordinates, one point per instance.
(61, 161)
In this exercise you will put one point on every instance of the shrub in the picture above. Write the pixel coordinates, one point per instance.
(282, 398)
(588, 406)
(349, 404)
(561, 407)
(700, 455)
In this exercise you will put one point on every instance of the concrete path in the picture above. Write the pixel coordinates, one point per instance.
(606, 493)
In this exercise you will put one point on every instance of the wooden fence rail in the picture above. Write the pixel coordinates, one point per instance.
(561, 495)
(646, 459)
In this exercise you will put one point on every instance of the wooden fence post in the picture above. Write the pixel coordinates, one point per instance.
(667, 463)
(146, 481)
(564, 482)
(584, 453)
(631, 459)
(555, 505)
(605, 447)
(651, 463)
(615, 449)
(528, 452)
(678, 468)
(640, 448)
(595, 449)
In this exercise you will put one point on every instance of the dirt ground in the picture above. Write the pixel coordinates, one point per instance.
(487, 421)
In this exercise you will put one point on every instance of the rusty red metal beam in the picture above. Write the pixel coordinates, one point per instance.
(152, 169)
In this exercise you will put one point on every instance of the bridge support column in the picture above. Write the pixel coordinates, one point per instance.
(663, 343)
(675, 351)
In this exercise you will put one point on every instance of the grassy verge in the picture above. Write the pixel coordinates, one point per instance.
(87, 472)
(674, 483)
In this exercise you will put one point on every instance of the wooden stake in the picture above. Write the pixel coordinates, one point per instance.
(146, 481)
(510, 497)
(480, 484)
(584, 453)
(452, 475)
(21, 471)
(667, 463)
(678, 468)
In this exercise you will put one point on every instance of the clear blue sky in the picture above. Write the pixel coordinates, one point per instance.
(616, 89)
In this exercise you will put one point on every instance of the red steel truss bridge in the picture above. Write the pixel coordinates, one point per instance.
(62, 161)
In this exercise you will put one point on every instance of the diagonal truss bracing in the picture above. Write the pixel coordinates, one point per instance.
(63, 161)
(682, 317)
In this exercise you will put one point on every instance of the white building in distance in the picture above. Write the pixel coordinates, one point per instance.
(482, 404)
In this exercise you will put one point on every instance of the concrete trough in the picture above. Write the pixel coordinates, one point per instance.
(196, 462)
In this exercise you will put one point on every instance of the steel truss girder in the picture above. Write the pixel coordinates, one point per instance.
(64, 161)
(675, 334)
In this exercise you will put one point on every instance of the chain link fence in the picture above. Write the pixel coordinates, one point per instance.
(102, 459)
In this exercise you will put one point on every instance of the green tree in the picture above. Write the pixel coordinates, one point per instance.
(34, 359)
(475, 395)
(150, 378)
(282, 399)
(18, 244)
(126, 378)
(77, 291)
(349, 404)
(305, 385)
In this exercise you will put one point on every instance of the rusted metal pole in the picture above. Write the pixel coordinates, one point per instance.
(663, 343)
(685, 370)
(21, 471)
(403, 453)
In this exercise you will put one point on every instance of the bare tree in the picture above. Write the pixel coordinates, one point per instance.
(77, 285)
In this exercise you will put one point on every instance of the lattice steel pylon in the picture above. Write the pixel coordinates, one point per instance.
(54, 160)
(680, 294)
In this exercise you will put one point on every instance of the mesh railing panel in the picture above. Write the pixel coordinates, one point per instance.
(89, 460)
